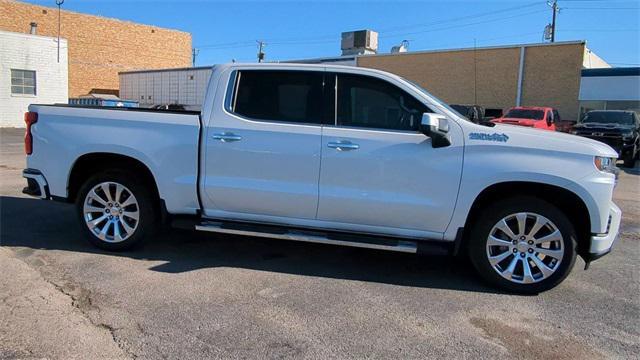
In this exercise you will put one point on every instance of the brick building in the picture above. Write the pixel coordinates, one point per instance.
(98, 47)
(497, 77)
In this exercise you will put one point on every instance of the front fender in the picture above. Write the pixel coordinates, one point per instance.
(487, 165)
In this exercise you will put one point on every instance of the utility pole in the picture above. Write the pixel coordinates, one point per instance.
(554, 7)
(194, 53)
(261, 45)
(59, 3)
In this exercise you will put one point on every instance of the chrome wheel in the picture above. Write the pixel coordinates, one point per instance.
(525, 248)
(111, 212)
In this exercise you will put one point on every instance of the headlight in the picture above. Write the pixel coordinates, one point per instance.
(605, 164)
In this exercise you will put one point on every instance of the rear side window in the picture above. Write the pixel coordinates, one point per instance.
(368, 102)
(289, 96)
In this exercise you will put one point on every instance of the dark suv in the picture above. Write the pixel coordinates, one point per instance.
(616, 128)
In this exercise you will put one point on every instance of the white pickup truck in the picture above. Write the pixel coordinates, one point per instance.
(335, 155)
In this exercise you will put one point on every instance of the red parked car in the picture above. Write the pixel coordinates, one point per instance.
(537, 117)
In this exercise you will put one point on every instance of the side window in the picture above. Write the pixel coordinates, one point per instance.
(373, 103)
(556, 115)
(289, 96)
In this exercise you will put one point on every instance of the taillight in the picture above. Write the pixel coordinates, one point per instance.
(30, 118)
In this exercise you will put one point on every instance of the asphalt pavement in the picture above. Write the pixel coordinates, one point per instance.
(191, 296)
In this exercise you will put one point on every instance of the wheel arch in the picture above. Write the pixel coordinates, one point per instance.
(567, 201)
(91, 163)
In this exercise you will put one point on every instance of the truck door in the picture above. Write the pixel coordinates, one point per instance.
(262, 156)
(377, 169)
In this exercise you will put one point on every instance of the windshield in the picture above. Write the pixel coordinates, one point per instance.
(608, 117)
(525, 114)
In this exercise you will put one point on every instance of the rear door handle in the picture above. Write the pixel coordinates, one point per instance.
(227, 137)
(343, 145)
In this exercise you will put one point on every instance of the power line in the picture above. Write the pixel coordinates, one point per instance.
(472, 16)
(242, 44)
(600, 8)
(331, 38)
(465, 25)
(480, 41)
(609, 1)
(602, 30)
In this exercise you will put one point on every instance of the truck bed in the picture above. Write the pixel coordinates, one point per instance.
(165, 141)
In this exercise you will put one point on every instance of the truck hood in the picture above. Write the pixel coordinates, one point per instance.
(516, 121)
(608, 129)
(523, 137)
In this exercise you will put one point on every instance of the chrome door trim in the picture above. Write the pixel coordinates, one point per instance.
(227, 137)
(343, 145)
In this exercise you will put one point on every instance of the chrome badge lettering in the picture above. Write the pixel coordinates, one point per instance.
(489, 137)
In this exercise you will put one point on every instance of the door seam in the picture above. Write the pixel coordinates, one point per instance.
(319, 171)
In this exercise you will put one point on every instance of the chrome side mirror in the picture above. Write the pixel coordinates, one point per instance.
(436, 127)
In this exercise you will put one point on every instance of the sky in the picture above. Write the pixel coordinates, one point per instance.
(224, 30)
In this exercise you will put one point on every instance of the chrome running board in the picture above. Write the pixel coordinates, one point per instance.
(318, 237)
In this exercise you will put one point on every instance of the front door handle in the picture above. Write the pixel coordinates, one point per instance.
(227, 137)
(343, 145)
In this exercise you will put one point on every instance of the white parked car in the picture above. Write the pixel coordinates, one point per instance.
(335, 155)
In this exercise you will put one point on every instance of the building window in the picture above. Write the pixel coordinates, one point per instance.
(23, 82)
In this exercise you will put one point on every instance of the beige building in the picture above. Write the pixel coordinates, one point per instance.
(98, 47)
(545, 74)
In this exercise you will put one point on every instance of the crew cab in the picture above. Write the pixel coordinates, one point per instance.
(333, 155)
(536, 117)
(617, 128)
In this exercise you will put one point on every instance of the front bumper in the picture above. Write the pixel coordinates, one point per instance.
(601, 244)
(36, 184)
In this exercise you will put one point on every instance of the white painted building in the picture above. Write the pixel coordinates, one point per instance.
(30, 74)
(182, 86)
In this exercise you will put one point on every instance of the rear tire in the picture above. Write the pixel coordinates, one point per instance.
(116, 210)
(536, 251)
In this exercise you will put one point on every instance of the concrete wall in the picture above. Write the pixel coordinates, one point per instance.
(551, 74)
(99, 47)
(35, 53)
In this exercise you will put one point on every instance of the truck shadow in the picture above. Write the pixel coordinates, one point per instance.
(45, 225)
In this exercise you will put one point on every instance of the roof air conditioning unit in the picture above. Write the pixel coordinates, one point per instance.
(359, 42)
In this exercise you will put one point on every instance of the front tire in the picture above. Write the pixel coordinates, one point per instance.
(522, 244)
(630, 159)
(116, 210)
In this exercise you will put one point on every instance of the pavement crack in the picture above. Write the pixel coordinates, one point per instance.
(81, 299)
